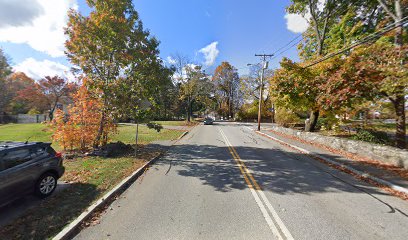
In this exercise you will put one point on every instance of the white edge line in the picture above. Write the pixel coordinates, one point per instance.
(366, 175)
(272, 209)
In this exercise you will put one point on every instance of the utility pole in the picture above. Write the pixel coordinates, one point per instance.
(273, 111)
(264, 66)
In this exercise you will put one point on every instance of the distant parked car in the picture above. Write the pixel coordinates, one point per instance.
(27, 168)
(208, 121)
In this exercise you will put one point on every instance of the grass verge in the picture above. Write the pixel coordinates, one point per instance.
(37, 132)
(127, 134)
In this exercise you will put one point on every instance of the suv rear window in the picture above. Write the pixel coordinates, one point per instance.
(50, 150)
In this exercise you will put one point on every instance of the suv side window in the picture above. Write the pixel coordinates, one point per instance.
(15, 158)
(37, 151)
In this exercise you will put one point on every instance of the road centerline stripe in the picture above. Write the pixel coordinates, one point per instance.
(277, 229)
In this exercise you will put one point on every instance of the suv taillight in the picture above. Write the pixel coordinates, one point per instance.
(58, 155)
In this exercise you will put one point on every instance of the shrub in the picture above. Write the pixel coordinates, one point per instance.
(327, 123)
(372, 136)
(33, 111)
(285, 117)
(155, 126)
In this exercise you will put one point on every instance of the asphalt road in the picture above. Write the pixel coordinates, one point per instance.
(226, 182)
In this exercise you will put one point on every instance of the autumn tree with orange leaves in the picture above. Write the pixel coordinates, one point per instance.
(108, 46)
(79, 128)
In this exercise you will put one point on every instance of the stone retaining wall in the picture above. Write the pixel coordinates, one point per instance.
(386, 154)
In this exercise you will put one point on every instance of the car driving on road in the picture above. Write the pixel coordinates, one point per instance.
(27, 168)
(208, 121)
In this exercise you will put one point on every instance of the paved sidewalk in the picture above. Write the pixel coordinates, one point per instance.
(358, 165)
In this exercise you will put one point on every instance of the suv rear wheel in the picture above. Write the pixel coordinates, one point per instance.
(46, 185)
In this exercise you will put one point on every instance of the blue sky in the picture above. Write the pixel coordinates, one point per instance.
(234, 29)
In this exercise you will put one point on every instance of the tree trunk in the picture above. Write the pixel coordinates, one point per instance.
(273, 113)
(137, 136)
(100, 131)
(191, 111)
(51, 115)
(400, 120)
(311, 125)
(188, 110)
(232, 107)
(399, 103)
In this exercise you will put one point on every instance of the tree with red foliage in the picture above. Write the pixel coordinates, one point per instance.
(48, 92)
(25, 94)
(372, 72)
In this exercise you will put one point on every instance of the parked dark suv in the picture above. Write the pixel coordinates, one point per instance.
(28, 168)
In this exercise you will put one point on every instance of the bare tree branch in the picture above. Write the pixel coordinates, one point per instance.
(388, 10)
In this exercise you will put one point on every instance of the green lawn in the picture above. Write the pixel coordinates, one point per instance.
(40, 133)
(387, 127)
(127, 134)
(23, 132)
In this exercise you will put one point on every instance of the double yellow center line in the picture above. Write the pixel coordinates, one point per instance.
(275, 224)
(249, 179)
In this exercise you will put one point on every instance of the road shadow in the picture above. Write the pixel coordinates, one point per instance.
(277, 171)
(18, 207)
(47, 217)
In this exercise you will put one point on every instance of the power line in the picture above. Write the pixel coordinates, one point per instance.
(345, 8)
(288, 43)
(362, 41)
(287, 49)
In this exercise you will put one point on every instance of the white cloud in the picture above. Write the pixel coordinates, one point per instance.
(321, 4)
(39, 69)
(177, 77)
(210, 53)
(43, 30)
(18, 12)
(296, 23)
(171, 60)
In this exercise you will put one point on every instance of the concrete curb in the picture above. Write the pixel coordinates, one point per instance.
(74, 227)
(182, 135)
(70, 230)
(354, 171)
